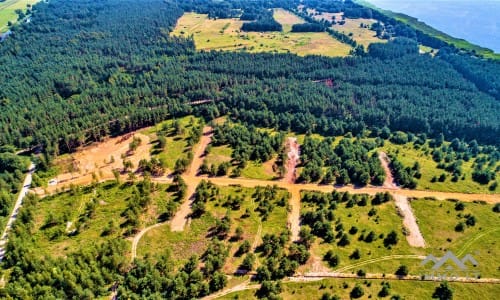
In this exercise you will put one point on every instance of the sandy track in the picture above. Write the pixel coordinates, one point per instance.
(181, 216)
(294, 215)
(371, 190)
(389, 179)
(290, 177)
(414, 236)
(292, 161)
(138, 237)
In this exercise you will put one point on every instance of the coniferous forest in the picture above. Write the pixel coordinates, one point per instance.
(81, 70)
(77, 72)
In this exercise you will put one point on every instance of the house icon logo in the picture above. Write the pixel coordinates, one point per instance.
(450, 261)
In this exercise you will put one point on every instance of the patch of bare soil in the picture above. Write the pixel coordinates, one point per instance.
(292, 161)
(100, 159)
(413, 236)
(389, 179)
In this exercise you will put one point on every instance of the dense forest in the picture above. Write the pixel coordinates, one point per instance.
(73, 76)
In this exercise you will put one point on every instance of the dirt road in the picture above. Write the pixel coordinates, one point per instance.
(138, 237)
(290, 177)
(182, 215)
(414, 236)
(292, 161)
(389, 179)
(15, 209)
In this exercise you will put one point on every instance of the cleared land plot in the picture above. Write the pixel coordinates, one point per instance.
(408, 155)
(92, 211)
(97, 161)
(177, 133)
(437, 221)
(361, 34)
(225, 34)
(383, 222)
(8, 11)
(195, 237)
(410, 290)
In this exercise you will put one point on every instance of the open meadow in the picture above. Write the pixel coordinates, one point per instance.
(342, 287)
(8, 11)
(225, 35)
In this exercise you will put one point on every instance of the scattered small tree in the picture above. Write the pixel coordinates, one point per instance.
(402, 270)
(443, 292)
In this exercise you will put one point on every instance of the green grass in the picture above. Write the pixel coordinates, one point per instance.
(182, 245)
(409, 290)
(437, 221)
(408, 155)
(218, 155)
(256, 170)
(194, 239)
(69, 206)
(357, 216)
(217, 35)
(177, 146)
(7, 11)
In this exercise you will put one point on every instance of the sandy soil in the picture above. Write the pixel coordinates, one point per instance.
(290, 177)
(181, 217)
(414, 238)
(389, 179)
(96, 159)
(292, 161)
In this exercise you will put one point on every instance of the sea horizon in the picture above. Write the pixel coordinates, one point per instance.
(477, 21)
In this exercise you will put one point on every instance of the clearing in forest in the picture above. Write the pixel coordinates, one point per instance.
(358, 29)
(225, 35)
(97, 161)
(8, 11)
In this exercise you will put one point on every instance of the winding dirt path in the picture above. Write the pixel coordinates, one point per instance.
(414, 236)
(138, 237)
(181, 217)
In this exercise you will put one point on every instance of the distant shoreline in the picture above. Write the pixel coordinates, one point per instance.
(466, 15)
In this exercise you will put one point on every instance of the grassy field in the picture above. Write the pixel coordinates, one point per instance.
(383, 222)
(8, 8)
(65, 209)
(177, 146)
(225, 35)
(195, 238)
(437, 221)
(409, 290)
(362, 36)
(352, 27)
(408, 155)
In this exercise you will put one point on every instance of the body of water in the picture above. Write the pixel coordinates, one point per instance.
(477, 21)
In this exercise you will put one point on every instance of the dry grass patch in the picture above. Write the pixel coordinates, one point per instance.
(225, 35)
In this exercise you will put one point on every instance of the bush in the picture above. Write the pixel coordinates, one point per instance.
(402, 270)
(331, 258)
(357, 292)
(460, 227)
(356, 254)
(391, 239)
(443, 292)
